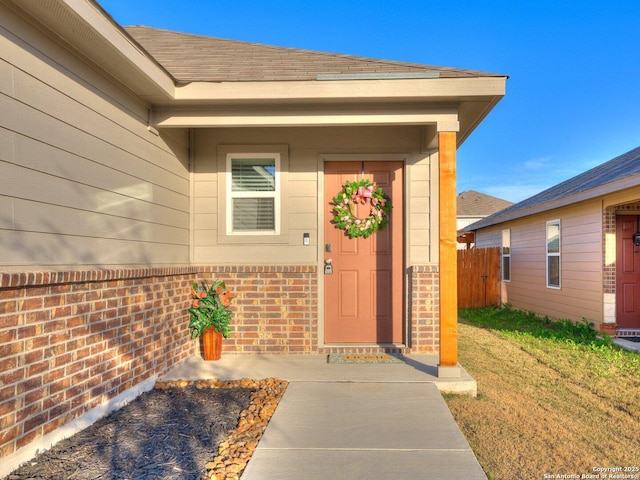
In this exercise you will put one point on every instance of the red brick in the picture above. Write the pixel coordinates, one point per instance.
(60, 312)
(53, 326)
(8, 306)
(53, 425)
(53, 301)
(8, 321)
(7, 392)
(9, 349)
(28, 438)
(37, 368)
(36, 342)
(76, 321)
(35, 396)
(62, 359)
(10, 434)
(53, 375)
(26, 412)
(30, 304)
(59, 386)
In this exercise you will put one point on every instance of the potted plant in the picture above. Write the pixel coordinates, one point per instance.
(210, 316)
(609, 329)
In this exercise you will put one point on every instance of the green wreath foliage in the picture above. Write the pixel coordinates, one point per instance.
(361, 192)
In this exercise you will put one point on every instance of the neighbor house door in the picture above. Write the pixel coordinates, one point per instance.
(363, 299)
(627, 272)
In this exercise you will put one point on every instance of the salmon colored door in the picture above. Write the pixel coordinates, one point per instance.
(627, 272)
(363, 295)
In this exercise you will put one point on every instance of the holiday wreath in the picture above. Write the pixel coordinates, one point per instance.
(361, 192)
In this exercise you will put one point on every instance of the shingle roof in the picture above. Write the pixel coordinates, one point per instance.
(619, 168)
(191, 58)
(475, 204)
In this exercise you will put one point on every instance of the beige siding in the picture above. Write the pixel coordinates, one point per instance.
(82, 180)
(489, 237)
(580, 295)
(421, 223)
(306, 148)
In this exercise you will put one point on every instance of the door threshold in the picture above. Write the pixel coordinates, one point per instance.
(364, 348)
(628, 332)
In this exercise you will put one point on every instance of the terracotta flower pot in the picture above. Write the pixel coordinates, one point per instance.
(609, 329)
(212, 344)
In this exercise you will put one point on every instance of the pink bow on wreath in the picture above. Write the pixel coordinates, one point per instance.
(363, 194)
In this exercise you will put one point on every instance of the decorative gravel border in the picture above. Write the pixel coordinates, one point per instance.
(235, 452)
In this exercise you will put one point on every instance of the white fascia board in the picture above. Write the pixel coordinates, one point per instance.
(357, 90)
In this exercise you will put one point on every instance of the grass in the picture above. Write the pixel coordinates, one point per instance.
(552, 397)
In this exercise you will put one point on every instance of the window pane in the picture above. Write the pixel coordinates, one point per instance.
(553, 266)
(506, 268)
(553, 238)
(254, 214)
(253, 174)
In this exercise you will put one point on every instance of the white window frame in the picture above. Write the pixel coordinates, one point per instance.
(506, 254)
(558, 254)
(225, 234)
(275, 194)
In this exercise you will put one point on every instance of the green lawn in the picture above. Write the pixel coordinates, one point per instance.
(552, 398)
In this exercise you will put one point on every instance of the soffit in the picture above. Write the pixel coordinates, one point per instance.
(87, 30)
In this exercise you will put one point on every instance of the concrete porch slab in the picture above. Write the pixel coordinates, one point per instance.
(315, 368)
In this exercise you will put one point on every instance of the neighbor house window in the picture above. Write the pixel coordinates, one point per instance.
(553, 254)
(253, 194)
(506, 255)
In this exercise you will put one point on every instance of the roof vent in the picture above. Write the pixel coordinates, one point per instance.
(377, 76)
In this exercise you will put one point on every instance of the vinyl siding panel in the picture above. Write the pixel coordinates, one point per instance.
(86, 182)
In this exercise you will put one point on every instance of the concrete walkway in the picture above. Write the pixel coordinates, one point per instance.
(352, 421)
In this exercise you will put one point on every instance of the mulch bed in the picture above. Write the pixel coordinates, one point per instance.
(180, 430)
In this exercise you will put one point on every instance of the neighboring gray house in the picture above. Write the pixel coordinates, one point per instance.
(472, 206)
(573, 251)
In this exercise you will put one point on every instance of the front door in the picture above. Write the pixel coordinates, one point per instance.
(627, 272)
(363, 294)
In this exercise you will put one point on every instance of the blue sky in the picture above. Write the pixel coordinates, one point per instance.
(573, 96)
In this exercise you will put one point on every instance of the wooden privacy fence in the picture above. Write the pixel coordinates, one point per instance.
(479, 277)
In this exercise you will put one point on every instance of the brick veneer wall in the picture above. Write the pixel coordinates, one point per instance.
(71, 341)
(276, 308)
(424, 309)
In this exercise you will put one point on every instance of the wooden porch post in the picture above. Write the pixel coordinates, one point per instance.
(448, 366)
